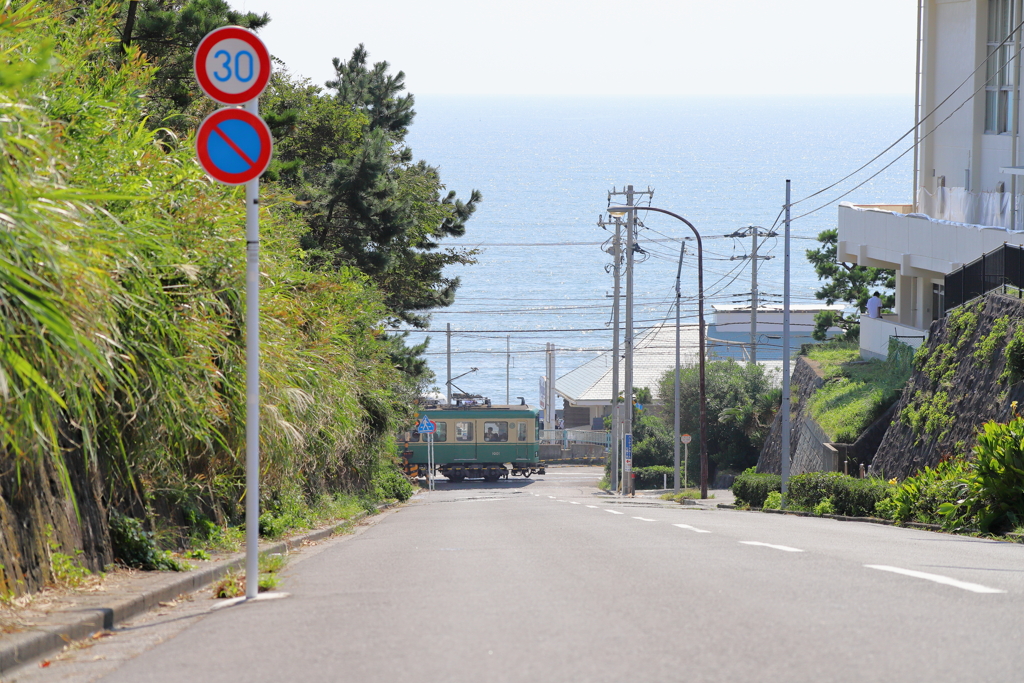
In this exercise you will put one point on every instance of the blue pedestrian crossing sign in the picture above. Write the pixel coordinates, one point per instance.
(426, 426)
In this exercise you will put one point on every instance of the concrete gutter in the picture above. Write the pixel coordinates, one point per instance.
(94, 613)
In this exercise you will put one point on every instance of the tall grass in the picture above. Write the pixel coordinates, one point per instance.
(122, 297)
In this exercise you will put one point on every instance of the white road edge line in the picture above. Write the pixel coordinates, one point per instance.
(644, 519)
(937, 578)
(770, 545)
(692, 528)
(614, 512)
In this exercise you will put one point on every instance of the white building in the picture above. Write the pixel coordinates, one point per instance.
(587, 389)
(967, 190)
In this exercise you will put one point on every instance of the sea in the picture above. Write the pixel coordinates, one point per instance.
(546, 165)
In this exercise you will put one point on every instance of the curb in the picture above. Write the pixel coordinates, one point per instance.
(17, 649)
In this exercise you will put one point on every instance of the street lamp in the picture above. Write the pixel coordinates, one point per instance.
(621, 211)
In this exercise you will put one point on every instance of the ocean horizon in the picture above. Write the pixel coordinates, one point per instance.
(545, 166)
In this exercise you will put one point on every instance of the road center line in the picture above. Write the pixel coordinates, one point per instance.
(614, 512)
(770, 545)
(937, 578)
(692, 528)
(644, 519)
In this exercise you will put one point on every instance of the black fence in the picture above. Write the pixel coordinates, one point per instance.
(994, 270)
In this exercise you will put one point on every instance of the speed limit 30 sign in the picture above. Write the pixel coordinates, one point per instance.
(232, 65)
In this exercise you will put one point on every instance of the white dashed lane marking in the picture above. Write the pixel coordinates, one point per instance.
(692, 528)
(937, 578)
(573, 502)
(644, 519)
(592, 506)
(785, 548)
(614, 512)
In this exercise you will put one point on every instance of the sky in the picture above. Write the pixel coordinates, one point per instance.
(594, 47)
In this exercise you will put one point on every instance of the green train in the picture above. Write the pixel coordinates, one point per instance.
(476, 441)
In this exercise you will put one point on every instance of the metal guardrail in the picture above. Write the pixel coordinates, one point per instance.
(566, 437)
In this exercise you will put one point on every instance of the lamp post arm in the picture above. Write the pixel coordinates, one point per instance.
(700, 315)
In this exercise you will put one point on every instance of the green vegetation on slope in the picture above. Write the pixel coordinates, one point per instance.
(122, 281)
(856, 393)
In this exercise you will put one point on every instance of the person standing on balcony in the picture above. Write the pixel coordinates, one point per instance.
(875, 306)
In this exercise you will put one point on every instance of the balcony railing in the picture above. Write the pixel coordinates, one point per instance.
(876, 332)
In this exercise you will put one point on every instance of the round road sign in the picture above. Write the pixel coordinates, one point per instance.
(233, 146)
(232, 65)
(685, 438)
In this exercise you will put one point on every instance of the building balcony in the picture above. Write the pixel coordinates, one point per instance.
(875, 334)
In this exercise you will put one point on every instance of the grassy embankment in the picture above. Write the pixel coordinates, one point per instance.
(856, 392)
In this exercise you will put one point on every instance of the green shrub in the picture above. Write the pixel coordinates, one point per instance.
(825, 507)
(1014, 352)
(135, 547)
(993, 490)
(849, 496)
(773, 501)
(653, 477)
(753, 488)
(390, 484)
(986, 348)
(918, 498)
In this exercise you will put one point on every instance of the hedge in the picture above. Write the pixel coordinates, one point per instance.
(753, 488)
(850, 496)
(653, 477)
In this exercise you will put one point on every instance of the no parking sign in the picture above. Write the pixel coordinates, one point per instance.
(233, 146)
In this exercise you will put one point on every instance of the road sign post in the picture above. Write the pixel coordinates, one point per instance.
(428, 427)
(627, 465)
(685, 438)
(232, 66)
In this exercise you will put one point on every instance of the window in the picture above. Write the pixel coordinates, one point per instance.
(999, 71)
(441, 432)
(522, 431)
(463, 431)
(495, 432)
(938, 301)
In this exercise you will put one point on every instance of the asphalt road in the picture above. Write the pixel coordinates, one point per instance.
(550, 580)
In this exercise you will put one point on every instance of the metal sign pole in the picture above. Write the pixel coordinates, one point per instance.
(232, 66)
(430, 459)
(252, 379)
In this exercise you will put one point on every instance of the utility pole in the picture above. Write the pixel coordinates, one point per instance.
(753, 296)
(448, 384)
(616, 252)
(784, 450)
(755, 300)
(549, 408)
(627, 427)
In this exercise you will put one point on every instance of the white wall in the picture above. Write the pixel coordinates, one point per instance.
(956, 33)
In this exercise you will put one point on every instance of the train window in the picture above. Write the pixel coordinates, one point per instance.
(522, 431)
(441, 432)
(463, 431)
(495, 431)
